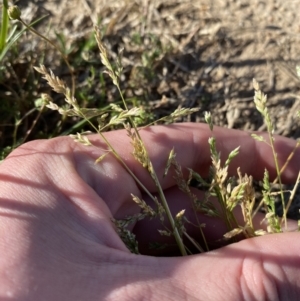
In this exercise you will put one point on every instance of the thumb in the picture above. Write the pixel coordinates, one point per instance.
(261, 268)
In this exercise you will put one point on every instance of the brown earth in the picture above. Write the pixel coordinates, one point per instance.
(218, 47)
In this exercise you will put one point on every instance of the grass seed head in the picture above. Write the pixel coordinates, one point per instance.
(14, 12)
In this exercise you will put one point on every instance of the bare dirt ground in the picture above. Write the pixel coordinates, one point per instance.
(217, 48)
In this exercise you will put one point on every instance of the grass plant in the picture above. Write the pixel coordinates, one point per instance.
(230, 192)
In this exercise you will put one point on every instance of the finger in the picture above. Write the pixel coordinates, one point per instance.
(41, 179)
(190, 142)
(255, 269)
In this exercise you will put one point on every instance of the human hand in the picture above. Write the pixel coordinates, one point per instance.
(57, 241)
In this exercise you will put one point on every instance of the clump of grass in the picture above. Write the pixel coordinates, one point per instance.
(230, 192)
(125, 117)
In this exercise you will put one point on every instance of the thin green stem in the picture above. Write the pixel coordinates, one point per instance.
(293, 193)
(177, 236)
(192, 240)
(57, 48)
(287, 160)
(4, 25)
(126, 108)
(200, 228)
(277, 171)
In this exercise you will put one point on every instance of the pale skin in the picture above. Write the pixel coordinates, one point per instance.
(57, 241)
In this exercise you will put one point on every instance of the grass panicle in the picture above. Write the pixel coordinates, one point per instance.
(260, 100)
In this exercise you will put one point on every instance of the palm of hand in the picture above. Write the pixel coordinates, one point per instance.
(55, 219)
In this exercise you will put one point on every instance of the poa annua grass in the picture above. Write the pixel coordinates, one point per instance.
(229, 191)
